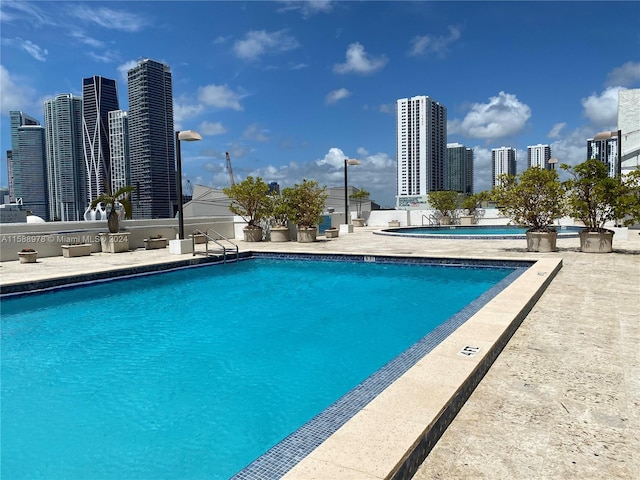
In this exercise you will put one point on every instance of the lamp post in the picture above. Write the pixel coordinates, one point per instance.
(186, 136)
(347, 162)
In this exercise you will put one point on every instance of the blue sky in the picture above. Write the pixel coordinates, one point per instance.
(290, 89)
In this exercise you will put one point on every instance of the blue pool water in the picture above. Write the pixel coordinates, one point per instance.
(488, 231)
(194, 373)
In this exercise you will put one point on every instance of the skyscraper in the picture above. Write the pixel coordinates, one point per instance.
(17, 119)
(66, 174)
(30, 175)
(421, 145)
(539, 156)
(503, 161)
(604, 147)
(119, 149)
(459, 168)
(99, 97)
(151, 140)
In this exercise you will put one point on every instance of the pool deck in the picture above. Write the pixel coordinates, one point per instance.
(561, 401)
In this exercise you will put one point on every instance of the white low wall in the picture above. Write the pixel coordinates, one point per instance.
(48, 238)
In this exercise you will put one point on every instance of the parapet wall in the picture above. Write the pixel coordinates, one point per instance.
(48, 238)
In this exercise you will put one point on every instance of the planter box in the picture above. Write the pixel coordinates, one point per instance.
(280, 234)
(198, 239)
(307, 235)
(155, 243)
(252, 234)
(358, 222)
(80, 250)
(394, 223)
(596, 242)
(332, 233)
(114, 242)
(467, 220)
(28, 257)
(543, 242)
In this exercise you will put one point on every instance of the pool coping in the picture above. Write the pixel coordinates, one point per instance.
(405, 232)
(370, 443)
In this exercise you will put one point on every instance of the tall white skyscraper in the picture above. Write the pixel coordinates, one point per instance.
(120, 173)
(421, 145)
(503, 161)
(539, 156)
(66, 173)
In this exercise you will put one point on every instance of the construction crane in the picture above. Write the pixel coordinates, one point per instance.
(233, 182)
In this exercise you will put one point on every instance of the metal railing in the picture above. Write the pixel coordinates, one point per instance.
(208, 237)
(432, 220)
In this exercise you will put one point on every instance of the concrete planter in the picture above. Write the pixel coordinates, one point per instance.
(596, 242)
(467, 220)
(280, 234)
(155, 243)
(252, 234)
(114, 242)
(198, 239)
(358, 222)
(394, 223)
(445, 220)
(542, 242)
(307, 234)
(331, 233)
(79, 250)
(28, 257)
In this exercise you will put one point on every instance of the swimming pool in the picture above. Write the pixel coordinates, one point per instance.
(120, 395)
(504, 232)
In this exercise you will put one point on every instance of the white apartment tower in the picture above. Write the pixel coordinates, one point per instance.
(421, 145)
(539, 156)
(120, 173)
(503, 161)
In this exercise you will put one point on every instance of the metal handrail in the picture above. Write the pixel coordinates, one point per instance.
(431, 220)
(214, 240)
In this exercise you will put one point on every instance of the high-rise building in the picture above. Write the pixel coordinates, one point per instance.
(119, 149)
(604, 147)
(151, 140)
(66, 173)
(99, 97)
(503, 161)
(17, 119)
(539, 156)
(459, 168)
(30, 175)
(421, 145)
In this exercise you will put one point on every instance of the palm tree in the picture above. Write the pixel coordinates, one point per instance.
(121, 196)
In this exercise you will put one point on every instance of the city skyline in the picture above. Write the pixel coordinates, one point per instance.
(290, 89)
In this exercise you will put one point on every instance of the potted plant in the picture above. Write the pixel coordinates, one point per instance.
(471, 204)
(114, 241)
(359, 196)
(595, 198)
(28, 255)
(154, 242)
(445, 203)
(331, 232)
(249, 200)
(306, 201)
(279, 218)
(535, 199)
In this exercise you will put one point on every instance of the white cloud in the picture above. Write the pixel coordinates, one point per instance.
(625, 76)
(358, 61)
(109, 56)
(335, 95)
(182, 109)
(211, 128)
(362, 151)
(556, 130)
(258, 43)
(424, 44)
(602, 110)
(307, 8)
(220, 96)
(16, 95)
(502, 116)
(92, 42)
(110, 18)
(254, 132)
(28, 46)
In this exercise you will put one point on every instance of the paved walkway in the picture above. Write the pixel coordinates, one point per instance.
(562, 400)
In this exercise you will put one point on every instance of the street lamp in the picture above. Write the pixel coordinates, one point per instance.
(347, 162)
(186, 136)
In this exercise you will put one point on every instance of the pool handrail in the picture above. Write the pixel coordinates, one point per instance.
(214, 240)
